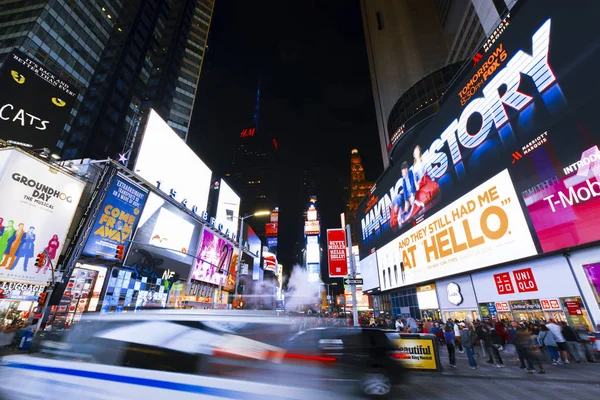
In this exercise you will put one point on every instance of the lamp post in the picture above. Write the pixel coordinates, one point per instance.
(240, 237)
(329, 300)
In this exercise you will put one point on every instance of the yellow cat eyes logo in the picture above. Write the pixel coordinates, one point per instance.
(20, 79)
(58, 102)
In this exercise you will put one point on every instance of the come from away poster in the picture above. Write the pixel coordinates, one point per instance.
(117, 219)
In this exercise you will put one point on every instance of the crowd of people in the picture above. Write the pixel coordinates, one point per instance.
(532, 342)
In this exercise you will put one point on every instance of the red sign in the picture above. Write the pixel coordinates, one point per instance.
(525, 280)
(503, 306)
(550, 304)
(504, 283)
(336, 252)
(271, 229)
(573, 308)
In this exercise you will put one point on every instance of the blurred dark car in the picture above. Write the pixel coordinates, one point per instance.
(362, 357)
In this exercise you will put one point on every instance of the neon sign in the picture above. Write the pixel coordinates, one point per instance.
(248, 132)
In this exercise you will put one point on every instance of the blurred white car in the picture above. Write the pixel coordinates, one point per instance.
(159, 355)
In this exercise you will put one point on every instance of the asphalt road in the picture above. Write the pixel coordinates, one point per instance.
(447, 387)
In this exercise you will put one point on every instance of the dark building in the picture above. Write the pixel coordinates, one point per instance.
(124, 57)
(253, 172)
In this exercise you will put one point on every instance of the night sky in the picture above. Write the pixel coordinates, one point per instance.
(310, 57)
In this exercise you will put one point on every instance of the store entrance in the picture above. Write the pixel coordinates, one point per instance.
(13, 312)
(431, 315)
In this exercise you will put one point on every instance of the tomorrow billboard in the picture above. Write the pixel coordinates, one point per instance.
(527, 112)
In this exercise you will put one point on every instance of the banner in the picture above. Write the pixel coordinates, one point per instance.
(213, 260)
(37, 208)
(416, 352)
(34, 104)
(336, 252)
(117, 219)
(482, 228)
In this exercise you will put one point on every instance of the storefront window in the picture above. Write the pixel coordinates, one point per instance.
(592, 271)
(527, 310)
(462, 315)
(576, 314)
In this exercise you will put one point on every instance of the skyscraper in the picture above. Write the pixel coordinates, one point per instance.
(359, 188)
(253, 173)
(124, 57)
(410, 40)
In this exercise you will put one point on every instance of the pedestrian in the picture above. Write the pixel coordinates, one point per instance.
(561, 342)
(450, 339)
(522, 343)
(399, 324)
(456, 328)
(411, 324)
(493, 345)
(547, 339)
(466, 337)
(572, 342)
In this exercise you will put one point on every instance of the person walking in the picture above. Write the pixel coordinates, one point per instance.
(546, 339)
(493, 344)
(572, 342)
(456, 328)
(466, 337)
(411, 324)
(561, 342)
(450, 339)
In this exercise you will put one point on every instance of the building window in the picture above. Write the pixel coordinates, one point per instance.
(379, 21)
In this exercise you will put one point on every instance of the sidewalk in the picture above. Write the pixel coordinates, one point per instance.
(573, 373)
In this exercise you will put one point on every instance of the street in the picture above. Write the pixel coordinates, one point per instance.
(448, 387)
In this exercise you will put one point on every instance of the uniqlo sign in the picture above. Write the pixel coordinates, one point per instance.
(524, 280)
(504, 284)
(550, 304)
(336, 252)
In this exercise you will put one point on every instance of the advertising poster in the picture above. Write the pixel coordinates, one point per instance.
(269, 261)
(166, 237)
(35, 215)
(526, 107)
(213, 260)
(117, 219)
(271, 229)
(482, 228)
(172, 174)
(312, 227)
(336, 253)
(228, 209)
(416, 353)
(369, 272)
(34, 103)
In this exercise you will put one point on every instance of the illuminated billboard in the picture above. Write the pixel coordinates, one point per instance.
(312, 228)
(166, 237)
(167, 162)
(522, 122)
(37, 207)
(228, 208)
(34, 103)
(213, 260)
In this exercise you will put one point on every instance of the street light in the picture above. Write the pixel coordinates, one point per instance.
(328, 295)
(240, 236)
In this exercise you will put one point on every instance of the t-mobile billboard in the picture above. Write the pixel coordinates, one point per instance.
(528, 106)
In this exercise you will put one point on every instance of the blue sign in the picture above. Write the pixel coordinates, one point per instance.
(116, 220)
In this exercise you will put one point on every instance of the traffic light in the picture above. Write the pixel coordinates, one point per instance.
(42, 299)
(40, 261)
(120, 252)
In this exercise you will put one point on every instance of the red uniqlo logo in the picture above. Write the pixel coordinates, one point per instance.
(551, 304)
(502, 306)
(504, 283)
(545, 304)
(525, 280)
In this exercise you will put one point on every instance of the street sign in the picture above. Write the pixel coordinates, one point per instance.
(353, 281)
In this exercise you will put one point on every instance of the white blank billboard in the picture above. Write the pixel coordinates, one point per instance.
(164, 157)
(228, 208)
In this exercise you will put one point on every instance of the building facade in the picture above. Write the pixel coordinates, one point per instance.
(359, 188)
(488, 212)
